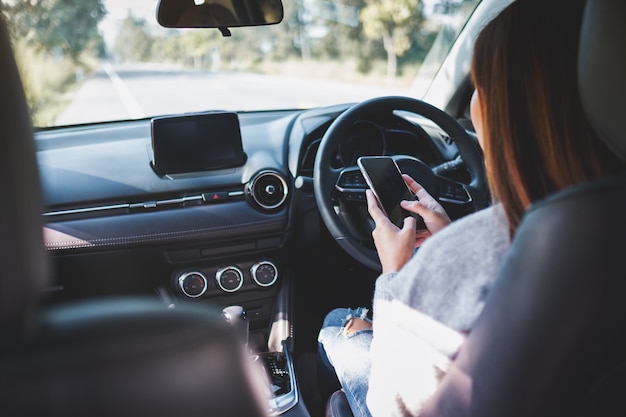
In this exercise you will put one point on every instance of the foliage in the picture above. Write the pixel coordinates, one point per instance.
(66, 27)
(55, 42)
(393, 21)
(39, 72)
(133, 42)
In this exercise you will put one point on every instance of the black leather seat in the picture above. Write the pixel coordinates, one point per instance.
(551, 340)
(121, 357)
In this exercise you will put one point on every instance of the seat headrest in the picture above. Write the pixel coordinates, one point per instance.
(602, 69)
(23, 269)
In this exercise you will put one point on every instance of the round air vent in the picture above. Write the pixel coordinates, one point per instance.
(267, 190)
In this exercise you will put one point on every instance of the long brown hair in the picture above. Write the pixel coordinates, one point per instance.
(536, 137)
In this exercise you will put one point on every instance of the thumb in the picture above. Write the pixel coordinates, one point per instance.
(409, 224)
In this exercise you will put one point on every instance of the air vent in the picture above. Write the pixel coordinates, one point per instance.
(308, 159)
(267, 190)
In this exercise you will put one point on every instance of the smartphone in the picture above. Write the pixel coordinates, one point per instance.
(384, 178)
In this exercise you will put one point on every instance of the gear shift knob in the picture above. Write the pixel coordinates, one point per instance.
(236, 316)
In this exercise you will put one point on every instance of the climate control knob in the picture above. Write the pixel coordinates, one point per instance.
(264, 273)
(229, 278)
(192, 284)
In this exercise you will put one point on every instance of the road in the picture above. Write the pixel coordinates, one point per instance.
(120, 92)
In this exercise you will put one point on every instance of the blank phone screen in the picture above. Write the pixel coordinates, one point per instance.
(385, 179)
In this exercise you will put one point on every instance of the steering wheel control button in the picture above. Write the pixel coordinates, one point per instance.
(351, 186)
(454, 193)
(192, 284)
(357, 196)
(264, 273)
(229, 278)
(352, 180)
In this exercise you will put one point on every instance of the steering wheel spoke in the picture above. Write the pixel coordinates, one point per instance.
(453, 192)
(350, 185)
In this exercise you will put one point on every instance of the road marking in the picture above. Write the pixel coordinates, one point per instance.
(132, 107)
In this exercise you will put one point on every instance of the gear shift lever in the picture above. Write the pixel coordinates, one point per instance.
(236, 316)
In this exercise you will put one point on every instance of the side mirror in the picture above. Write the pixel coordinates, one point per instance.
(220, 14)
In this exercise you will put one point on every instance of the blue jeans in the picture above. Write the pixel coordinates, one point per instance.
(348, 355)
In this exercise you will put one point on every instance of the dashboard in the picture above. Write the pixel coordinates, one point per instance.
(230, 235)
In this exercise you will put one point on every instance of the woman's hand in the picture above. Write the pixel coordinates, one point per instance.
(434, 215)
(396, 246)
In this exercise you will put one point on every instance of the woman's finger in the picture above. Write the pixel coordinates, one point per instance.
(421, 236)
(413, 185)
(374, 209)
(419, 191)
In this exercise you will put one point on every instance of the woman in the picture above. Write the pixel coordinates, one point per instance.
(536, 140)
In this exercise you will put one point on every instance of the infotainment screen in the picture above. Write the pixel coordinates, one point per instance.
(196, 142)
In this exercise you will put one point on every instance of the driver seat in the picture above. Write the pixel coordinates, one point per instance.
(118, 357)
(551, 340)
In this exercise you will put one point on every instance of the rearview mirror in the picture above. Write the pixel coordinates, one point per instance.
(220, 14)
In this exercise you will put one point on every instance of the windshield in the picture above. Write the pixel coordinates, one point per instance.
(85, 61)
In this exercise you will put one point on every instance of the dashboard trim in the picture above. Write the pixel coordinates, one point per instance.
(214, 222)
(146, 204)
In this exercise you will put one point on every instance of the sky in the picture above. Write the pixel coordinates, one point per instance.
(117, 10)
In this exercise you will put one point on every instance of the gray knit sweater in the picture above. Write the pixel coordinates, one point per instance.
(422, 311)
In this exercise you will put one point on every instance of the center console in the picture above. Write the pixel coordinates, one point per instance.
(276, 364)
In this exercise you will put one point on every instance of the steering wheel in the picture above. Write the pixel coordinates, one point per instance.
(334, 186)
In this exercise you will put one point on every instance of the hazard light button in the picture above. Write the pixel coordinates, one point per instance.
(215, 197)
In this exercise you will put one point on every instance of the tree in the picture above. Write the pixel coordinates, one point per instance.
(392, 21)
(68, 26)
(133, 42)
(290, 37)
(344, 32)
